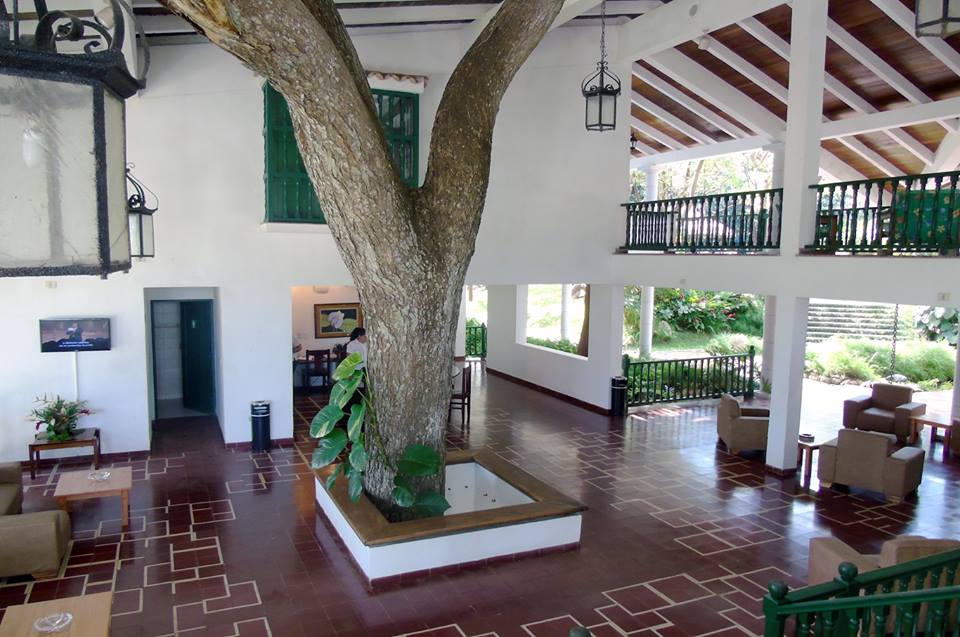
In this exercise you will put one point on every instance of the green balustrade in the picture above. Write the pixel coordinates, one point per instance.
(665, 381)
(477, 340)
(916, 597)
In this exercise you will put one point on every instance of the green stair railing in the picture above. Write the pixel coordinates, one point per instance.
(891, 215)
(917, 597)
(730, 222)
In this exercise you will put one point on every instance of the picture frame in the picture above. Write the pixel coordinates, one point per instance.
(336, 320)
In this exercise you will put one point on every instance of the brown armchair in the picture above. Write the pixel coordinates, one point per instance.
(888, 409)
(739, 427)
(867, 460)
(30, 543)
(827, 553)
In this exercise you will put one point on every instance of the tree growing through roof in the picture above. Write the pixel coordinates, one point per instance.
(407, 248)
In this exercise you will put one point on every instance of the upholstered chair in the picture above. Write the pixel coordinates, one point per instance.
(30, 543)
(740, 428)
(827, 553)
(888, 409)
(869, 460)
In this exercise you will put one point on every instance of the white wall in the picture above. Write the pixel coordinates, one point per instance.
(584, 378)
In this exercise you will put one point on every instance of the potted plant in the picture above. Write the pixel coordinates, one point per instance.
(60, 416)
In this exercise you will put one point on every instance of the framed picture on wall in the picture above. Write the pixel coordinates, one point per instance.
(336, 320)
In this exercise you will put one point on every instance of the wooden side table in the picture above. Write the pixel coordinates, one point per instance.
(75, 485)
(89, 437)
(934, 423)
(91, 616)
(805, 449)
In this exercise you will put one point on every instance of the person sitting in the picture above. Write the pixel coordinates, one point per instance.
(358, 345)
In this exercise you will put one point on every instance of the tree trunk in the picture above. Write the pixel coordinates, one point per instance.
(583, 345)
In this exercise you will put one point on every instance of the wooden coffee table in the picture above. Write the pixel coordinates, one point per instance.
(75, 485)
(805, 449)
(91, 616)
(89, 437)
(935, 422)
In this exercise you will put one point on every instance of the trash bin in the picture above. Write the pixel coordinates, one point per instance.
(618, 396)
(260, 424)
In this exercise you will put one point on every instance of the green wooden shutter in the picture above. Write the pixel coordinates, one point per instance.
(290, 194)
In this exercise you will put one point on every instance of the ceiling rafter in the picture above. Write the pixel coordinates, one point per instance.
(906, 19)
(657, 134)
(671, 119)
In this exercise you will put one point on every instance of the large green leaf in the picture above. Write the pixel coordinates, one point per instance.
(431, 502)
(348, 387)
(355, 423)
(358, 457)
(332, 479)
(419, 460)
(347, 367)
(329, 448)
(355, 484)
(402, 492)
(325, 420)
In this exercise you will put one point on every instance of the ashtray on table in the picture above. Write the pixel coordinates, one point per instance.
(98, 476)
(52, 623)
(807, 437)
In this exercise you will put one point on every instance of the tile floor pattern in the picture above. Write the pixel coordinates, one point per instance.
(680, 538)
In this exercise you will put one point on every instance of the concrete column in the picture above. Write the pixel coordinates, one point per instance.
(460, 344)
(565, 291)
(647, 295)
(606, 331)
(789, 347)
(776, 175)
(804, 115)
(769, 327)
(652, 190)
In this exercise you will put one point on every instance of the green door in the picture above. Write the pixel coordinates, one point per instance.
(196, 351)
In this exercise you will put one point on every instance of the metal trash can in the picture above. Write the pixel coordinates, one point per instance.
(618, 396)
(260, 424)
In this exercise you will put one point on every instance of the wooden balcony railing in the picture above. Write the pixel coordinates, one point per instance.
(912, 598)
(892, 215)
(667, 381)
(733, 222)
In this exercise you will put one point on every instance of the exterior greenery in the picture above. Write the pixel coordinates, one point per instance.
(558, 344)
(731, 344)
(939, 323)
(290, 196)
(476, 338)
(929, 365)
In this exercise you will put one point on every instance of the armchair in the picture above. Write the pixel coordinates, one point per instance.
(827, 553)
(888, 409)
(11, 488)
(867, 460)
(740, 428)
(33, 543)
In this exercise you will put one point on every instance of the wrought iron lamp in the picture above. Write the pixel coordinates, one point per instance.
(633, 142)
(140, 218)
(938, 18)
(63, 208)
(601, 88)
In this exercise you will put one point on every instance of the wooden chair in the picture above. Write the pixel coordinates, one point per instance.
(460, 398)
(320, 360)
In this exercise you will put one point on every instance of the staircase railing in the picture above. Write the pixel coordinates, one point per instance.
(914, 213)
(919, 596)
(729, 222)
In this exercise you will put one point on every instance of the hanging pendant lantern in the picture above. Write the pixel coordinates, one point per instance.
(601, 88)
(938, 18)
(633, 142)
(140, 218)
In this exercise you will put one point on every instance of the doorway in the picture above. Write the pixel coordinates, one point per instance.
(184, 369)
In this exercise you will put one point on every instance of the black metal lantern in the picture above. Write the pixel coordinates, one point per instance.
(633, 142)
(140, 218)
(62, 141)
(601, 88)
(938, 18)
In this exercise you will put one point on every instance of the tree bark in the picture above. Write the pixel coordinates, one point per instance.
(407, 249)
(583, 345)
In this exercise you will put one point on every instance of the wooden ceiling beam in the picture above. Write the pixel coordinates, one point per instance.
(655, 133)
(671, 119)
(942, 110)
(906, 19)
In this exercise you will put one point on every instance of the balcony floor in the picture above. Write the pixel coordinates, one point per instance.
(680, 538)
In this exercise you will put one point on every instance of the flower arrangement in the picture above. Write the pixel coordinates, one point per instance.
(60, 416)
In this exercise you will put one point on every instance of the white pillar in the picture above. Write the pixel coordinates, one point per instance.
(769, 327)
(652, 190)
(776, 175)
(808, 30)
(647, 295)
(789, 347)
(460, 343)
(565, 290)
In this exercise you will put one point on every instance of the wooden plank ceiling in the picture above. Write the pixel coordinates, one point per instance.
(863, 20)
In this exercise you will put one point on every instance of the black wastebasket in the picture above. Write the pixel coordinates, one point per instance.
(260, 424)
(618, 396)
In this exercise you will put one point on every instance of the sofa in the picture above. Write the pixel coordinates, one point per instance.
(870, 460)
(30, 543)
(888, 409)
(740, 428)
(827, 553)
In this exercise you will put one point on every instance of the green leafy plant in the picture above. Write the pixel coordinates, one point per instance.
(731, 344)
(939, 323)
(417, 461)
(562, 345)
(60, 416)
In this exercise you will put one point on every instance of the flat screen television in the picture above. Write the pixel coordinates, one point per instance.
(75, 335)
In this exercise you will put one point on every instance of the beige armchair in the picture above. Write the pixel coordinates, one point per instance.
(888, 409)
(740, 427)
(30, 543)
(827, 553)
(868, 460)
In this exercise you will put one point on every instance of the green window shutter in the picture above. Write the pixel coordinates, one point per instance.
(289, 191)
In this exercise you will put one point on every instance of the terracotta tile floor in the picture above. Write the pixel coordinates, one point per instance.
(680, 538)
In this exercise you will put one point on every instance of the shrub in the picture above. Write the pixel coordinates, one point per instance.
(939, 323)
(731, 344)
(561, 344)
(930, 365)
(711, 312)
(875, 353)
(926, 362)
(845, 364)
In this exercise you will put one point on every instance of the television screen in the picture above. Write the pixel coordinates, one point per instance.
(75, 335)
